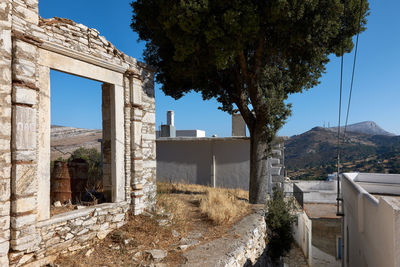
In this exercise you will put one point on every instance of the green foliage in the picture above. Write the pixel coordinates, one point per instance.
(248, 53)
(279, 221)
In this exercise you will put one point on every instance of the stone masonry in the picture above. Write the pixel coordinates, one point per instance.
(29, 47)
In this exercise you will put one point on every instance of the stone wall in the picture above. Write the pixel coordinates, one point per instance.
(5, 128)
(29, 47)
(65, 233)
(244, 245)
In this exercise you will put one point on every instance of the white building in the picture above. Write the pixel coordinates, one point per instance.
(371, 207)
(317, 229)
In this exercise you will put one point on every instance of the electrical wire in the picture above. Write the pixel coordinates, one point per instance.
(354, 67)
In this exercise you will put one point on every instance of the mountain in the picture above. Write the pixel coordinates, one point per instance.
(65, 140)
(365, 127)
(313, 154)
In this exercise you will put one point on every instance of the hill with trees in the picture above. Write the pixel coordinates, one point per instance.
(313, 154)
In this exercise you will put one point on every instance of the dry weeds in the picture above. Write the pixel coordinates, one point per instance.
(221, 206)
(180, 203)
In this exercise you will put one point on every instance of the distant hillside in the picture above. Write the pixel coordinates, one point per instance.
(365, 127)
(65, 140)
(313, 154)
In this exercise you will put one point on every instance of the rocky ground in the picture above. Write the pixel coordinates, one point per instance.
(155, 238)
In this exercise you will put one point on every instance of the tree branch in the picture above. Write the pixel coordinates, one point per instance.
(255, 97)
(258, 56)
(241, 100)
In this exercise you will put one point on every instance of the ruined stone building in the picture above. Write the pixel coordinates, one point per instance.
(29, 47)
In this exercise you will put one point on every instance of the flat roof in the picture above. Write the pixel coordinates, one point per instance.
(321, 210)
(190, 138)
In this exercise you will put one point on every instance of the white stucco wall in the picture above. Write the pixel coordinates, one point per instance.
(371, 225)
(302, 235)
(191, 161)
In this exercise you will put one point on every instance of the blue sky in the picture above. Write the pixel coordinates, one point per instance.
(376, 93)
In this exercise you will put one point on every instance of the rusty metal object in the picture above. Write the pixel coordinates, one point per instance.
(79, 169)
(60, 182)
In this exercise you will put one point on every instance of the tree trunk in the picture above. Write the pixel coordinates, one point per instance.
(258, 188)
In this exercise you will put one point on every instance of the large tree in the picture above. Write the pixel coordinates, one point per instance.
(248, 54)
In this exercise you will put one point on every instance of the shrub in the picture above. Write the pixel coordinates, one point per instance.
(93, 158)
(279, 221)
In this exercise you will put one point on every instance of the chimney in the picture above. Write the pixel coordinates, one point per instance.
(170, 118)
(238, 125)
(169, 130)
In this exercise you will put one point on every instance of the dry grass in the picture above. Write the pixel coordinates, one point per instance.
(221, 206)
(179, 203)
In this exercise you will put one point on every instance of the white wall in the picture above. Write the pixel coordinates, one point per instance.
(191, 161)
(371, 225)
(302, 235)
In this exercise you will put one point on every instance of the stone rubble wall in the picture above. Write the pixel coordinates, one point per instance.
(78, 37)
(5, 128)
(25, 238)
(72, 231)
(245, 245)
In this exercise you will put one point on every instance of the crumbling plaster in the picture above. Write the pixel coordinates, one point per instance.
(29, 47)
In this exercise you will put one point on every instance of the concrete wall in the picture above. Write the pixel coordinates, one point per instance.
(371, 225)
(315, 191)
(302, 233)
(187, 161)
(191, 161)
(324, 241)
(186, 133)
(29, 47)
(222, 162)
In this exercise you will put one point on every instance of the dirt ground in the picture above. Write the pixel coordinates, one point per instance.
(176, 226)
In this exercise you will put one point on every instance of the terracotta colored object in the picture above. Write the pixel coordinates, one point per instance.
(79, 175)
(60, 182)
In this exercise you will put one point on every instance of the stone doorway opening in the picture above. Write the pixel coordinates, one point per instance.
(92, 171)
(76, 152)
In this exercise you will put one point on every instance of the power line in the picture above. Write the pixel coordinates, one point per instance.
(354, 67)
(340, 112)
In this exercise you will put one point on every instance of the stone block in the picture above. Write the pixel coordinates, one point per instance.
(18, 222)
(24, 155)
(4, 144)
(136, 92)
(26, 231)
(24, 128)
(4, 189)
(136, 133)
(4, 260)
(118, 217)
(24, 69)
(5, 37)
(24, 179)
(24, 95)
(149, 117)
(24, 205)
(4, 235)
(4, 249)
(102, 234)
(4, 223)
(30, 15)
(24, 259)
(5, 208)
